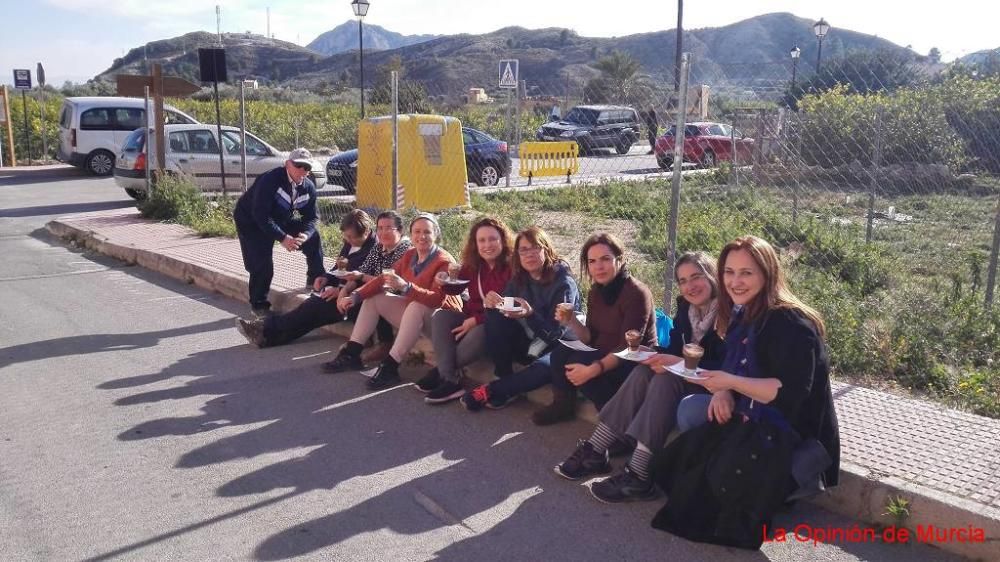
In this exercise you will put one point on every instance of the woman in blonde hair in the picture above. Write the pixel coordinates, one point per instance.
(726, 480)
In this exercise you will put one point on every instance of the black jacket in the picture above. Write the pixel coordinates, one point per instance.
(354, 260)
(272, 204)
(715, 348)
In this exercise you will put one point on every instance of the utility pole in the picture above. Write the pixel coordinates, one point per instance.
(218, 22)
(679, 49)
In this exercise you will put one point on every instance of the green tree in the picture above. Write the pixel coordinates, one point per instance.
(860, 73)
(412, 95)
(619, 82)
(934, 55)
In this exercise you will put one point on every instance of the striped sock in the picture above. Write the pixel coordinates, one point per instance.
(602, 438)
(639, 463)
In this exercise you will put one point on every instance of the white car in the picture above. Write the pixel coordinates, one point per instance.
(193, 150)
(91, 129)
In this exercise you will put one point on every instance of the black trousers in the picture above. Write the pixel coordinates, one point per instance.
(257, 248)
(313, 313)
(598, 390)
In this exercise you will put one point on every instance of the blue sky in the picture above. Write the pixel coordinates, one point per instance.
(76, 39)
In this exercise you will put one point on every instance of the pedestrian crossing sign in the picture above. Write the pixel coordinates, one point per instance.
(508, 73)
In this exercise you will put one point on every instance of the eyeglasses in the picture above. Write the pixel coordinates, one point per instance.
(302, 166)
(385, 228)
(685, 280)
(528, 251)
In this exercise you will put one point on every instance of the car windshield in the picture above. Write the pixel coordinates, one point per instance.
(689, 131)
(582, 116)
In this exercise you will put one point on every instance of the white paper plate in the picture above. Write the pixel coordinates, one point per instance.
(515, 309)
(577, 345)
(641, 355)
(679, 370)
(340, 274)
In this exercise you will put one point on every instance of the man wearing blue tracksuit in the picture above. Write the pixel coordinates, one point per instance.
(279, 206)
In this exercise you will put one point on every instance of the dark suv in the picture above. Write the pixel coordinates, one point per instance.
(595, 126)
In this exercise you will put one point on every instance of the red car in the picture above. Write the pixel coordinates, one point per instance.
(705, 144)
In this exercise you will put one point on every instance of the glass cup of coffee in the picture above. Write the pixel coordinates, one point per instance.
(632, 340)
(385, 277)
(565, 311)
(692, 356)
(342, 264)
(453, 270)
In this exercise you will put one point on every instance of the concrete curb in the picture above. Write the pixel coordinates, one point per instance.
(862, 494)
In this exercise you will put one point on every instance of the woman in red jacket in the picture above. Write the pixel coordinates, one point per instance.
(406, 297)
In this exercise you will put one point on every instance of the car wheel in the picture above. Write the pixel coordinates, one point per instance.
(488, 175)
(665, 163)
(708, 159)
(351, 189)
(100, 163)
(623, 146)
(137, 194)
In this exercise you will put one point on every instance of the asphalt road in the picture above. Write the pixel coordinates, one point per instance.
(136, 424)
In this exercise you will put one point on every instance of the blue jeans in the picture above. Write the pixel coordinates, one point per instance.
(693, 411)
(506, 344)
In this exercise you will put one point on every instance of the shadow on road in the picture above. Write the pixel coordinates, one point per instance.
(65, 209)
(43, 174)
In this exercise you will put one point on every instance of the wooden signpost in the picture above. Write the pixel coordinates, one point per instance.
(159, 86)
(6, 124)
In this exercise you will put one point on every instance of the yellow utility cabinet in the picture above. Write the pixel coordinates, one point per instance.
(432, 173)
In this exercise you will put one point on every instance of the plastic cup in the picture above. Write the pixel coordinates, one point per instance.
(692, 356)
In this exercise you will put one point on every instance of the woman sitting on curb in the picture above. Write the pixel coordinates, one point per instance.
(617, 303)
(405, 296)
(541, 281)
(319, 309)
(726, 479)
(644, 410)
(459, 336)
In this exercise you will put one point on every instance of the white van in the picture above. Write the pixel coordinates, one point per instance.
(92, 129)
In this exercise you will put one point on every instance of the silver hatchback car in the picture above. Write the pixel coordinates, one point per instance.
(193, 151)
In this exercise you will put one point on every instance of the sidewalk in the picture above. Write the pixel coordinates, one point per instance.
(945, 462)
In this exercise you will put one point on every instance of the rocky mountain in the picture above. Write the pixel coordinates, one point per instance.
(247, 55)
(552, 60)
(344, 38)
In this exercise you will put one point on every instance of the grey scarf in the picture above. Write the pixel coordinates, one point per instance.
(700, 325)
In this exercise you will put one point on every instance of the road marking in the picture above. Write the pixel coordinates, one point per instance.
(311, 356)
(360, 398)
(193, 296)
(439, 512)
(506, 437)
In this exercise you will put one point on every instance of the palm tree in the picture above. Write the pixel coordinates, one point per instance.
(620, 80)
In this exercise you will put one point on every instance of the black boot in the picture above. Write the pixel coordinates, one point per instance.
(349, 359)
(386, 376)
(562, 408)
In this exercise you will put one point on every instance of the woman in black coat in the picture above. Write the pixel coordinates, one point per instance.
(725, 480)
(644, 410)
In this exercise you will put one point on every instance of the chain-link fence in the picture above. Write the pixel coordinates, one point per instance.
(875, 179)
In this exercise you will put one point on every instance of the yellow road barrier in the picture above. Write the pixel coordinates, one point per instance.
(549, 159)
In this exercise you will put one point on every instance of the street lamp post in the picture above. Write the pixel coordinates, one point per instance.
(820, 28)
(796, 52)
(360, 8)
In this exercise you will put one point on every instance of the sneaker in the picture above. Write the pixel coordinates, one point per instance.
(376, 353)
(623, 487)
(252, 330)
(445, 392)
(584, 461)
(497, 402)
(386, 376)
(475, 399)
(343, 362)
(430, 381)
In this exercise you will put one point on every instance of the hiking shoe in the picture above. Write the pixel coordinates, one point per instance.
(252, 330)
(387, 375)
(498, 402)
(475, 399)
(343, 362)
(429, 382)
(623, 487)
(445, 392)
(584, 461)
